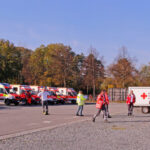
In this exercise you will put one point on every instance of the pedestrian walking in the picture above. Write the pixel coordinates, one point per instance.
(101, 105)
(44, 99)
(130, 101)
(80, 102)
(107, 107)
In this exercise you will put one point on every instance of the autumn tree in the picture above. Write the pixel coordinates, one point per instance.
(10, 62)
(36, 67)
(107, 83)
(123, 70)
(77, 76)
(144, 75)
(93, 71)
(60, 63)
(1, 67)
(25, 59)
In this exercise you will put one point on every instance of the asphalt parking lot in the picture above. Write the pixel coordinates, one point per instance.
(16, 119)
(25, 128)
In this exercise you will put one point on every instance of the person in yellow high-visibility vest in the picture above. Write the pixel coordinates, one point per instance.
(80, 102)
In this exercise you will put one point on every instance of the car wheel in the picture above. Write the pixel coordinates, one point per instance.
(73, 102)
(7, 102)
(62, 102)
(57, 102)
(145, 110)
(16, 103)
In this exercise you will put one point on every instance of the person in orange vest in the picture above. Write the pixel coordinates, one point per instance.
(101, 105)
(130, 101)
(107, 108)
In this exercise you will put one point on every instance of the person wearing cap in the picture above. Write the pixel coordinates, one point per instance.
(80, 102)
(101, 105)
(44, 98)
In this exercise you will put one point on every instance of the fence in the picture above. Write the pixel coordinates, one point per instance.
(117, 94)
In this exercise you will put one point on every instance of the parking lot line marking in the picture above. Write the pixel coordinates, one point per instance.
(32, 124)
(46, 121)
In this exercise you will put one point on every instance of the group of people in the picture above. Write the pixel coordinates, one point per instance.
(102, 104)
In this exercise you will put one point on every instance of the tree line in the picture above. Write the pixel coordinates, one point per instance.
(56, 65)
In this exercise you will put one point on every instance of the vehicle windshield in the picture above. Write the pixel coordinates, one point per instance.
(8, 90)
(2, 91)
(50, 92)
(22, 91)
(58, 93)
(74, 93)
(11, 91)
(53, 93)
(33, 92)
(70, 94)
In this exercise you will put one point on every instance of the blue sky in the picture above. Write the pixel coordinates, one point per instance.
(105, 25)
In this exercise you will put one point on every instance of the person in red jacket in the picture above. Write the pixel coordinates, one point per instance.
(107, 104)
(28, 97)
(130, 101)
(101, 105)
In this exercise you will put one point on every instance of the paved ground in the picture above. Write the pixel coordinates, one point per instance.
(122, 132)
(15, 119)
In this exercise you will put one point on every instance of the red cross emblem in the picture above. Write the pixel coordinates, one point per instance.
(143, 95)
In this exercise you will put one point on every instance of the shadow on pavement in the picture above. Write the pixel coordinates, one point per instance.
(3, 107)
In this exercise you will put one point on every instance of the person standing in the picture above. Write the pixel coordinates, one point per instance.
(44, 98)
(80, 101)
(28, 97)
(130, 101)
(101, 105)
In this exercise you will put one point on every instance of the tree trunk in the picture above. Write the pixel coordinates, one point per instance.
(64, 82)
(93, 70)
(93, 89)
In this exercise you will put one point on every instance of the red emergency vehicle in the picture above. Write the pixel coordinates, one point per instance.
(60, 98)
(27, 95)
(8, 95)
(69, 94)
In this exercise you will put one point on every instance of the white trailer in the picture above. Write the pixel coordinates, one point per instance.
(142, 95)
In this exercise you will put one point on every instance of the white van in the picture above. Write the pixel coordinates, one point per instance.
(6, 96)
(142, 95)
